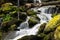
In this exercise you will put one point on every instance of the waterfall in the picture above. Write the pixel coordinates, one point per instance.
(35, 1)
(24, 26)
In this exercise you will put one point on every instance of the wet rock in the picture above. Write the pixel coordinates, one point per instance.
(41, 29)
(23, 16)
(57, 33)
(32, 37)
(49, 36)
(33, 20)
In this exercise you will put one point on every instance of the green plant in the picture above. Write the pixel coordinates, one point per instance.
(22, 8)
(7, 18)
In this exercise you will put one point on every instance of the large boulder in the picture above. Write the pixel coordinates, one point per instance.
(57, 33)
(14, 23)
(52, 24)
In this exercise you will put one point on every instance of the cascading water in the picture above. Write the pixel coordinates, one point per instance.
(24, 27)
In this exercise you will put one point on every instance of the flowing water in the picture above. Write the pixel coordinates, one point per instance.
(44, 15)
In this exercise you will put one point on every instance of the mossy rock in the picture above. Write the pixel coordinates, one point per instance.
(6, 6)
(32, 21)
(7, 24)
(49, 36)
(52, 24)
(41, 29)
(54, 14)
(57, 33)
(23, 16)
(31, 12)
(31, 37)
(41, 35)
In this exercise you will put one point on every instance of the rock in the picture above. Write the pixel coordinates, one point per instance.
(6, 6)
(23, 16)
(33, 20)
(54, 14)
(49, 36)
(31, 12)
(41, 29)
(31, 37)
(52, 24)
(7, 24)
(57, 33)
(12, 27)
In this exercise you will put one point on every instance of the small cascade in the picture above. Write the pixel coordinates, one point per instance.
(24, 26)
(32, 31)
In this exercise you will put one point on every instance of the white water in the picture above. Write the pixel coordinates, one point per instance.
(24, 27)
(35, 1)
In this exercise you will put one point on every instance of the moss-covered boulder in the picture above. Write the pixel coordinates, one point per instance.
(31, 12)
(41, 29)
(6, 6)
(57, 33)
(33, 20)
(8, 24)
(49, 36)
(52, 24)
(2, 15)
(32, 37)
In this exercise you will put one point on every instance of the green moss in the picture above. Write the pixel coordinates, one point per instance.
(54, 14)
(6, 6)
(32, 21)
(57, 33)
(41, 29)
(12, 27)
(52, 24)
